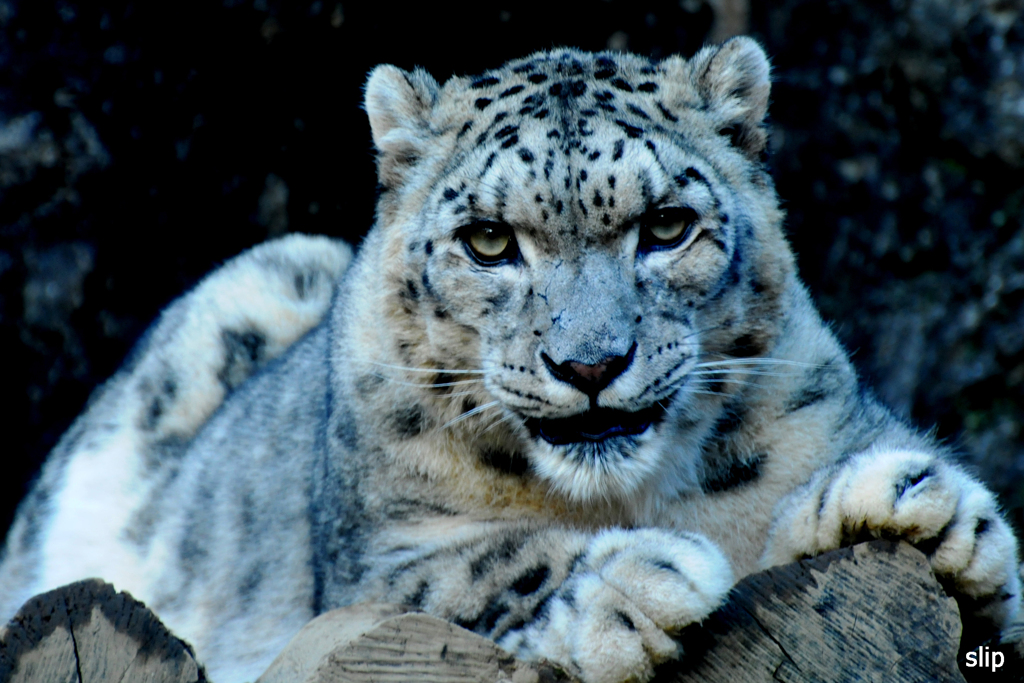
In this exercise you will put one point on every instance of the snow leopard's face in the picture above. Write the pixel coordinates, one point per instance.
(589, 232)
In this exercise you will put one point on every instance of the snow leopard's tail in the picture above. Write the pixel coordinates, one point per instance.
(203, 346)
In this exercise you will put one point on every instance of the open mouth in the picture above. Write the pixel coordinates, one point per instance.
(597, 424)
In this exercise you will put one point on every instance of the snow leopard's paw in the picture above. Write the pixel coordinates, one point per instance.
(917, 497)
(613, 616)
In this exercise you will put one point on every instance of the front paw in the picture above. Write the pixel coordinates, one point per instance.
(917, 497)
(612, 618)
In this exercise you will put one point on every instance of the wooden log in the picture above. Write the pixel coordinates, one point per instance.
(873, 612)
(388, 644)
(86, 632)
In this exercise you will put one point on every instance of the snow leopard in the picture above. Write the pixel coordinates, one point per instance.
(567, 392)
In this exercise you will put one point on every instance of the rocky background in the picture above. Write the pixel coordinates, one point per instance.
(143, 143)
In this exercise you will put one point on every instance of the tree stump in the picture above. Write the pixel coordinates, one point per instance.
(86, 632)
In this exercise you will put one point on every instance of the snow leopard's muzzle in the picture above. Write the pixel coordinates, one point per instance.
(596, 424)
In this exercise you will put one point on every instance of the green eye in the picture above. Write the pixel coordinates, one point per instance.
(490, 243)
(666, 228)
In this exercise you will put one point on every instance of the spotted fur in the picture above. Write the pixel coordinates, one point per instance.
(572, 445)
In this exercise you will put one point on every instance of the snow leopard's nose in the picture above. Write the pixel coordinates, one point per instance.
(591, 379)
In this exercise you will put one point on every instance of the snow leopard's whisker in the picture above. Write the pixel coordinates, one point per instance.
(457, 394)
(722, 371)
(756, 361)
(503, 419)
(728, 380)
(470, 413)
(704, 392)
(435, 385)
(435, 371)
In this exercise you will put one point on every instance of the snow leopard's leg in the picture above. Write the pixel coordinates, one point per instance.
(915, 496)
(602, 605)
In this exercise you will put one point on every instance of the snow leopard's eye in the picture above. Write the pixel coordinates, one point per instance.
(490, 243)
(666, 228)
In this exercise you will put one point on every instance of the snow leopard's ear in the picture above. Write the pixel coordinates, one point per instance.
(734, 80)
(398, 103)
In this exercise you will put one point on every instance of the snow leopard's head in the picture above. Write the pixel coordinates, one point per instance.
(579, 249)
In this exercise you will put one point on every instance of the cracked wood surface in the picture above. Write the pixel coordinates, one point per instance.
(872, 612)
(86, 632)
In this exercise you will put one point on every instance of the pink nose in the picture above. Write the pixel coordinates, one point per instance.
(590, 378)
(591, 373)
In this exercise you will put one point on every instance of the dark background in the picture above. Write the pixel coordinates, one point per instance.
(142, 143)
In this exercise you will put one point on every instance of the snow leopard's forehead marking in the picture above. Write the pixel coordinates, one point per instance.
(554, 128)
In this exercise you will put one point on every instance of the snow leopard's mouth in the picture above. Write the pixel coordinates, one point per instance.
(595, 425)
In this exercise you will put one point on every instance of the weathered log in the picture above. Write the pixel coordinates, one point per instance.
(872, 612)
(86, 632)
(387, 644)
